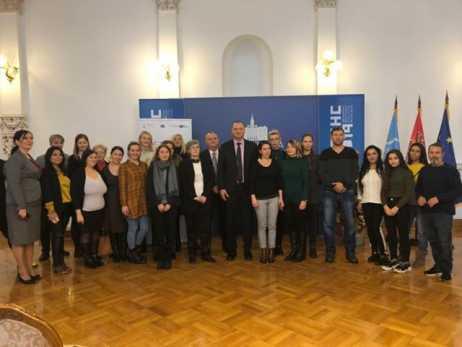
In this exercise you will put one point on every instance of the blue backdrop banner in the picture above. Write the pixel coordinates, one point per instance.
(291, 115)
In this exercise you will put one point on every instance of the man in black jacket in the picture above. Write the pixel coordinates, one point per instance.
(210, 156)
(3, 224)
(236, 158)
(437, 189)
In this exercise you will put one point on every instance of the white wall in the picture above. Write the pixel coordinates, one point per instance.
(88, 63)
(10, 96)
(207, 26)
(403, 48)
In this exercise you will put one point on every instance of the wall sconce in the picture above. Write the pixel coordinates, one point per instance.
(328, 64)
(168, 71)
(10, 71)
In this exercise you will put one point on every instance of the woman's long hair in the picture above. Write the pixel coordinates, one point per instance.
(365, 166)
(423, 154)
(402, 162)
(48, 154)
(310, 135)
(77, 138)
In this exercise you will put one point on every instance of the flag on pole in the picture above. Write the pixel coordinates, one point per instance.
(417, 135)
(393, 135)
(444, 136)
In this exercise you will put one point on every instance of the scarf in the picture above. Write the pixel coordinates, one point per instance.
(165, 180)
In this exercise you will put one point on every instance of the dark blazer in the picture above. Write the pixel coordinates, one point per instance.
(51, 189)
(207, 159)
(186, 180)
(151, 195)
(78, 188)
(227, 168)
(74, 163)
(3, 224)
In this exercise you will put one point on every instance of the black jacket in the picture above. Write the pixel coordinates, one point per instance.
(227, 168)
(51, 189)
(186, 180)
(207, 159)
(78, 188)
(151, 195)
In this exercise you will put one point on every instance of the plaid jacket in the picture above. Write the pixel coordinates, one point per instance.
(132, 185)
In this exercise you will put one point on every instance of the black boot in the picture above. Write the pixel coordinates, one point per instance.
(300, 255)
(141, 258)
(293, 247)
(115, 247)
(122, 246)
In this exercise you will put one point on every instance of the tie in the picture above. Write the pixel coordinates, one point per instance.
(240, 177)
(215, 161)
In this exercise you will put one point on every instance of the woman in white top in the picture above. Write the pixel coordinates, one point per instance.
(370, 203)
(196, 187)
(87, 191)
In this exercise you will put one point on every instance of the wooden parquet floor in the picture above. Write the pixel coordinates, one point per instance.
(244, 303)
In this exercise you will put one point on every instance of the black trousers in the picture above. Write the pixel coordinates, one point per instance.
(217, 218)
(165, 228)
(238, 219)
(57, 231)
(295, 225)
(399, 226)
(198, 226)
(280, 228)
(438, 230)
(312, 224)
(76, 229)
(373, 214)
(90, 231)
(45, 232)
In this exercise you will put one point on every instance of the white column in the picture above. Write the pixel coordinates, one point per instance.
(326, 16)
(167, 38)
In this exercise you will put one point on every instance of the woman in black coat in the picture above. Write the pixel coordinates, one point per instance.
(163, 195)
(58, 203)
(75, 164)
(196, 183)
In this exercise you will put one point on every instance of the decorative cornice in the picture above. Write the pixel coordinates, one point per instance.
(325, 3)
(167, 5)
(10, 5)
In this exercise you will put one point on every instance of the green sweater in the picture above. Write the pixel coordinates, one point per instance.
(398, 183)
(295, 179)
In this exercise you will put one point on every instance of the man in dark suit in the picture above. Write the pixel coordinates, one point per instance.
(237, 156)
(210, 156)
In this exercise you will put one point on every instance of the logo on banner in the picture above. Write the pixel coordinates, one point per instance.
(342, 116)
(254, 132)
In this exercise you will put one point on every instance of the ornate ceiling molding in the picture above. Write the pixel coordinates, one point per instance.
(10, 5)
(325, 3)
(167, 5)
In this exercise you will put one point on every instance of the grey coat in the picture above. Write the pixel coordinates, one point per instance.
(23, 191)
(22, 181)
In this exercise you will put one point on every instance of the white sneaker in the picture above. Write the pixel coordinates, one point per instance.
(390, 265)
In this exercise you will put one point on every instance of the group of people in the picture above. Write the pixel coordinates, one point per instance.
(232, 189)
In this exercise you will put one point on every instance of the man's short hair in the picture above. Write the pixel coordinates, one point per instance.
(334, 129)
(239, 122)
(211, 132)
(56, 137)
(274, 132)
(436, 144)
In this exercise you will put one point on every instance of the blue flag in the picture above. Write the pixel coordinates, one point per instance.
(393, 135)
(444, 137)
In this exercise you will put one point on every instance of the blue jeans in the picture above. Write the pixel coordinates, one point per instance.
(438, 229)
(137, 230)
(346, 201)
